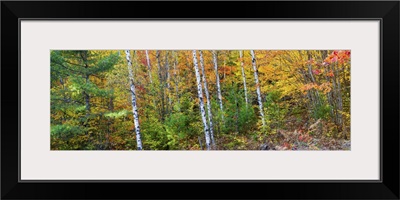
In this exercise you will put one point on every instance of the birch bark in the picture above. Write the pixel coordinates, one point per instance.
(218, 84)
(253, 61)
(201, 102)
(149, 66)
(134, 105)
(210, 120)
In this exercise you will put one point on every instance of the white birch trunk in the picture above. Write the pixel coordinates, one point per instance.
(200, 93)
(244, 77)
(134, 105)
(149, 66)
(253, 61)
(218, 84)
(208, 99)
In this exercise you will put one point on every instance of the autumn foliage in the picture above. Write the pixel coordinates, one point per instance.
(305, 97)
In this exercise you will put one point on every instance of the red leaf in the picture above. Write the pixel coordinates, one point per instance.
(316, 71)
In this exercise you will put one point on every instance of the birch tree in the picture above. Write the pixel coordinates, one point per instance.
(253, 61)
(149, 66)
(201, 102)
(244, 77)
(210, 120)
(134, 105)
(94, 94)
(218, 83)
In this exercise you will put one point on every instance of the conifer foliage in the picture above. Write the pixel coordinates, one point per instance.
(200, 99)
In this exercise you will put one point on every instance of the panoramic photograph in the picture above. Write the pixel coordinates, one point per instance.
(208, 99)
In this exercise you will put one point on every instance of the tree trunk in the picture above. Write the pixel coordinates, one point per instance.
(150, 77)
(83, 55)
(244, 77)
(314, 80)
(168, 82)
(329, 94)
(201, 145)
(149, 66)
(339, 94)
(312, 103)
(161, 88)
(87, 103)
(210, 118)
(200, 93)
(237, 109)
(176, 79)
(109, 122)
(218, 84)
(134, 105)
(334, 97)
(253, 61)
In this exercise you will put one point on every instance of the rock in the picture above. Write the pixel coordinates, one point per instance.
(346, 145)
(264, 147)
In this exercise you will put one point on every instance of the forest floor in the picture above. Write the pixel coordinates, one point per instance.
(316, 136)
(292, 143)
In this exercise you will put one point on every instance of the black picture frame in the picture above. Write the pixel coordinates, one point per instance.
(386, 11)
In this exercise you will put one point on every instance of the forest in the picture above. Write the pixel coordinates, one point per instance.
(200, 99)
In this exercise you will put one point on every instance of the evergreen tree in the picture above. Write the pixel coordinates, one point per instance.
(75, 94)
